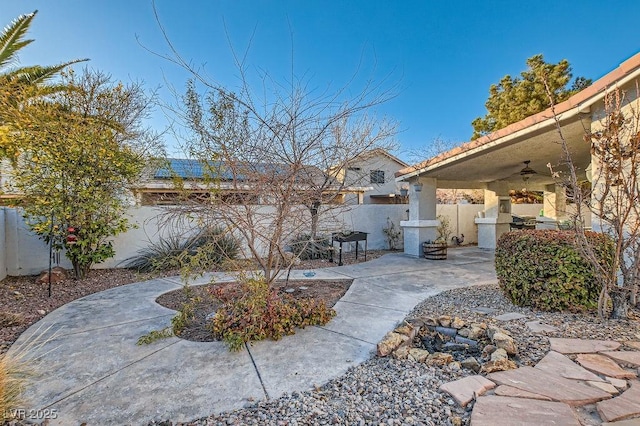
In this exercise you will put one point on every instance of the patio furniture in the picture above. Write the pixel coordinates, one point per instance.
(348, 237)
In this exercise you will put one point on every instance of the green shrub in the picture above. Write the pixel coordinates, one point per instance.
(306, 248)
(255, 312)
(544, 269)
(207, 248)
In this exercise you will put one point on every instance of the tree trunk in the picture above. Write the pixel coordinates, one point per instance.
(314, 209)
(620, 302)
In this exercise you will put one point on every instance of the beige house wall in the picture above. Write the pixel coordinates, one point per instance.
(362, 177)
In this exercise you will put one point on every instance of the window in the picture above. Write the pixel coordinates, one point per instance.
(377, 176)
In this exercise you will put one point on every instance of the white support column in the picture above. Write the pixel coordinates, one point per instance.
(497, 215)
(555, 202)
(422, 224)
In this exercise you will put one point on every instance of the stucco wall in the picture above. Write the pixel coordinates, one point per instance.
(25, 254)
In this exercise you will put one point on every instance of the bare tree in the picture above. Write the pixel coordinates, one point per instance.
(270, 163)
(613, 199)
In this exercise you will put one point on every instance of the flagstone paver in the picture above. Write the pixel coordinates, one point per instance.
(506, 390)
(625, 357)
(633, 345)
(540, 327)
(603, 365)
(494, 410)
(466, 389)
(629, 422)
(555, 387)
(621, 407)
(607, 387)
(509, 316)
(619, 383)
(581, 346)
(560, 365)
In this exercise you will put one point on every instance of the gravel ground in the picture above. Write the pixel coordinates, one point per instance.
(385, 391)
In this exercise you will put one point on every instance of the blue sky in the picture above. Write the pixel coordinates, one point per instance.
(443, 56)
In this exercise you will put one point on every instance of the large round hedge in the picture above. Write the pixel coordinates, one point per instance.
(545, 270)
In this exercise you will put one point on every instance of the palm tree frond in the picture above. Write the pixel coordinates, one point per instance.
(11, 38)
(37, 74)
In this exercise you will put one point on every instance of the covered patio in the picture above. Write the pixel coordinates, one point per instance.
(513, 158)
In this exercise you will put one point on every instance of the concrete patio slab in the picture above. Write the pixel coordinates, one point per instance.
(182, 381)
(306, 359)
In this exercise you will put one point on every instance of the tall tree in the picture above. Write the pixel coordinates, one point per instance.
(15, 81)
(514, 99)
(78, 149)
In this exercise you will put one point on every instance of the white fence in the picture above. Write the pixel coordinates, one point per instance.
(22, 253)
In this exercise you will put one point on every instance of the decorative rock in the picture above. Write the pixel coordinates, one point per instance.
(621, 407)
(457, 323)
(540, 328)
(491, 330)
(506, 390)
(557, 388)
(505, 411)
(632, 345)
(439, 358)
(619, 383)
(582, 346)
(559, 365)
(509, 316)
(419, 355)
(476, 332)
(464, 390)
(406, 330)
(602, 365)
(58, 274)
(444, 320)
(499, 354)
(501, 365)
(430, 321)
(454, 366)
(303, 288)
(607, 387)
(464, 332)
(290, 290)
(630, 358)
(455, 347)
(447, 331)
(465, 341)
(401, 353)
(390, 342)
(471, 363)
(41, 312)
(504, 341)
(488, 350)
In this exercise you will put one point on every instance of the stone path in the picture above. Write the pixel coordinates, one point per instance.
(550, 393)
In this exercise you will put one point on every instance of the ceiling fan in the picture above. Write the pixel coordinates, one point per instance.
(527, 171)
